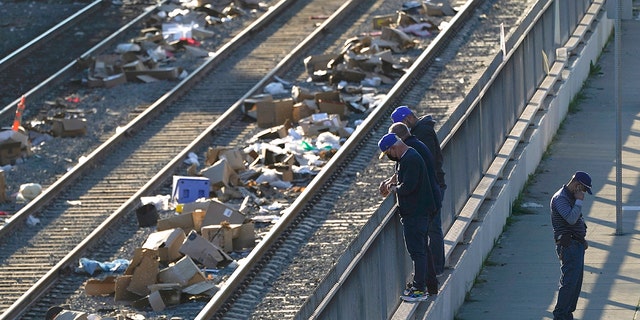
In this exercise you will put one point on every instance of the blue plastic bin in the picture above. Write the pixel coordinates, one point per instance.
(189, 189)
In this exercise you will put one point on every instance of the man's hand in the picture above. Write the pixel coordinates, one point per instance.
(384, 188)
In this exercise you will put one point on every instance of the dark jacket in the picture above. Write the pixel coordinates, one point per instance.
(413, 192)
(426, 155)
(425, 132)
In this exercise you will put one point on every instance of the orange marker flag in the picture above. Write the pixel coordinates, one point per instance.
(18, 120)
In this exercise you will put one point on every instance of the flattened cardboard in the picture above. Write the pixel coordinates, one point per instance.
(183, 221)
(201, 287)
(167, 243)
(159, 73)
(198, 248)
(114, 80)
(100, 287)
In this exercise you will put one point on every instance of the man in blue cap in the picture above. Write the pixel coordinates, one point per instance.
(423, 129)
(416, 206)
(569, 231)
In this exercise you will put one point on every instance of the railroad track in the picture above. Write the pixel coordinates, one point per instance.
(28, 66)
(142, 160)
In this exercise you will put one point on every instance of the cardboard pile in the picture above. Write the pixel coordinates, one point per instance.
(171, 32)
(168, 268)
(349, 78)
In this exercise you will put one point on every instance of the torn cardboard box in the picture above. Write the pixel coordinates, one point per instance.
(220, 174)
(231, 237)
(143, 270)
(167, 243)
(216, 212)
(205, 252)
(184, 272)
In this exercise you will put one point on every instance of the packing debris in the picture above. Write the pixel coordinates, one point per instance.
(188, 254)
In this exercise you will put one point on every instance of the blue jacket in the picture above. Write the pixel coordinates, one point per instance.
(425, 132)
(426, 155)
(413, 192)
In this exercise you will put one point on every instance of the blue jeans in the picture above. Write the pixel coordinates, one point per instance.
(572, 267)
(436, 239)
(415, 229)
(436, 242)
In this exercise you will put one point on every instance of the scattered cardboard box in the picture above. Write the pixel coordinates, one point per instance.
(205, 252)
(302, 110)
(183, 221)
(184, 272)
(144, 271)
(121, 292)
(231, 237)
(167, 243)
(383, 21)
(164, 295)
(68, 127)
(317, 62)
(100, 287)
(216, 212)
(114, 80)
(220, 174)
(273, 113)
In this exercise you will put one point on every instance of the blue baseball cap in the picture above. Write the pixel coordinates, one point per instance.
(584, 179)
(386, 142)
(400, 113)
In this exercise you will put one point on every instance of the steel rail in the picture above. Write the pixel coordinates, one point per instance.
(40, 288)
(56, 30)
(361, 132)
(7, 112)
(45, 197)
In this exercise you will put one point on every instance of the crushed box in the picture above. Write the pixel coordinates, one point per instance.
(216, 212)
(205, 252)
(167, 243)
(184, 272)
(231, 237)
